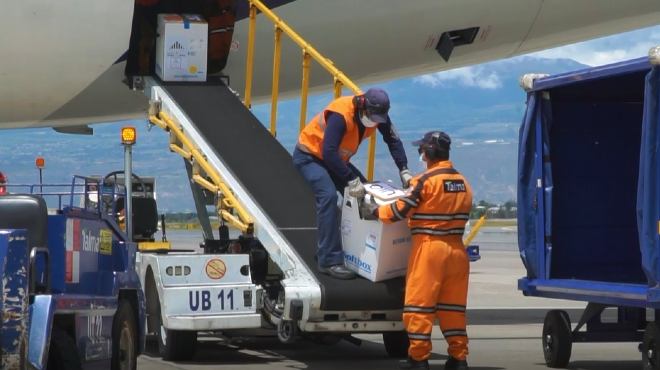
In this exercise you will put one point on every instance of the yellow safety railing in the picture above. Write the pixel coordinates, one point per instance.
(228, 207)
(474, 230)
(308, 53)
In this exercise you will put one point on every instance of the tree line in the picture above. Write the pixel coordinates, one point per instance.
(508, 209)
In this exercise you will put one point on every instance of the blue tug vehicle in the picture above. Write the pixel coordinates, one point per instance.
(71, 295)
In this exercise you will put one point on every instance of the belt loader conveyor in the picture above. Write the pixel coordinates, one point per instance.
(263, 179)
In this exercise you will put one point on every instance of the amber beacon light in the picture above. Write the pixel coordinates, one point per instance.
(128, 135)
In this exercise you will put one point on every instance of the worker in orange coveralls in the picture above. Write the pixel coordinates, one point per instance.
(438, 207)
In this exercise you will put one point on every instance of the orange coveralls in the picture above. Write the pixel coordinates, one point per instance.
(437, 279)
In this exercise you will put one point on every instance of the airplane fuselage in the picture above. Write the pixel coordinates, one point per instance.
(60, 65)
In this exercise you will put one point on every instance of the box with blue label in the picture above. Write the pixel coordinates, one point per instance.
(374, 250)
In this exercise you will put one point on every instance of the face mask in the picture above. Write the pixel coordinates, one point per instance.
(367, 122)
(421, 158)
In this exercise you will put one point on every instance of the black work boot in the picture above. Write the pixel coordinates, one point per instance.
(454, 364)
(410, 363)
(338, 272)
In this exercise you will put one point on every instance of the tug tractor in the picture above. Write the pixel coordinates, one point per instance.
(72, 297)
(185, 291)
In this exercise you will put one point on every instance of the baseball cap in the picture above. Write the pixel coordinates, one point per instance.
(436, 138)
(377, 104)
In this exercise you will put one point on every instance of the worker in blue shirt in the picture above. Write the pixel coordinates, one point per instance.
(322, 155)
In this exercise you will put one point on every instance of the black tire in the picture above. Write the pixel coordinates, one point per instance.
(174, 345)
(557, 339)
(124, 338)
(63, 353)
(152, 305)
(396, 343)
(651, 347)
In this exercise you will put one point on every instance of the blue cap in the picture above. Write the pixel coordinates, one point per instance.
(377, 104)
(438, 139)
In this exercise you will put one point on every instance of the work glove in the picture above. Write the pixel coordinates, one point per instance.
(368, 209)
(355, 188)
(406, 176)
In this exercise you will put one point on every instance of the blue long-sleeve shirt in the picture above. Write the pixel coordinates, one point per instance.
(334, 132)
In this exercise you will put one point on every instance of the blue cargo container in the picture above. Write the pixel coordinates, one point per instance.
(588, 203)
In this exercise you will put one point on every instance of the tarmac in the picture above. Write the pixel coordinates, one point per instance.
(504, 328)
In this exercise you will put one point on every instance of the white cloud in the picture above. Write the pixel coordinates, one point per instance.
(466, 76)
(609, 49)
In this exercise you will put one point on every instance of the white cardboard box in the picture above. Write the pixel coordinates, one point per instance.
(374, 250)
(181, 47)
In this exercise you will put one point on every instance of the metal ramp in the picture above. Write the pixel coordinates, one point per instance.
(262, 177)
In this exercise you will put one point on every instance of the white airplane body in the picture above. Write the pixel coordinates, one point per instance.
(62, 62)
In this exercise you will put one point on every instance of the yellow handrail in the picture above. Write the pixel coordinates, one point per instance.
(227, 202)
(250, 56)
(276, 80)
(339, 78)
(304, 91)
(474, 230)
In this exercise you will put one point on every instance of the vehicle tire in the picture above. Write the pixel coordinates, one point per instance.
(63, 353)
(287, 331)
(174, 345)
(557, 339)
(124, 338)
(396, 343)
(152, 306)
(651, 347)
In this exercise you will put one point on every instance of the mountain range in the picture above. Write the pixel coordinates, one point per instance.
(480, 107)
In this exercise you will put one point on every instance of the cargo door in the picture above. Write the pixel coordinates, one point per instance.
(648, 199)
(534, 185)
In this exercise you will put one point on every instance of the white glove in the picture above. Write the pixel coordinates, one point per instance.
(406, 176)
(355, 188)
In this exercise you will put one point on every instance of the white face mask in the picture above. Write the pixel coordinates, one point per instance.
(421, 158)
(367, 122)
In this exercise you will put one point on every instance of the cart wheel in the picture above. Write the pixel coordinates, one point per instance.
(287, 331)
(124, 338)
(396, 343)
(557, 339)
(651, 347)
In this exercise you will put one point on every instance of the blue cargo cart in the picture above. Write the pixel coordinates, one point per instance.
(72, 298)
(588, 196)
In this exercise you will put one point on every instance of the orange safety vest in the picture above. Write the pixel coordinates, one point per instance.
(438, 205)
(311, 138)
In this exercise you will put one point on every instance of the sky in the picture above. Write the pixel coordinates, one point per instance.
(601, 51)
(610, 49)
